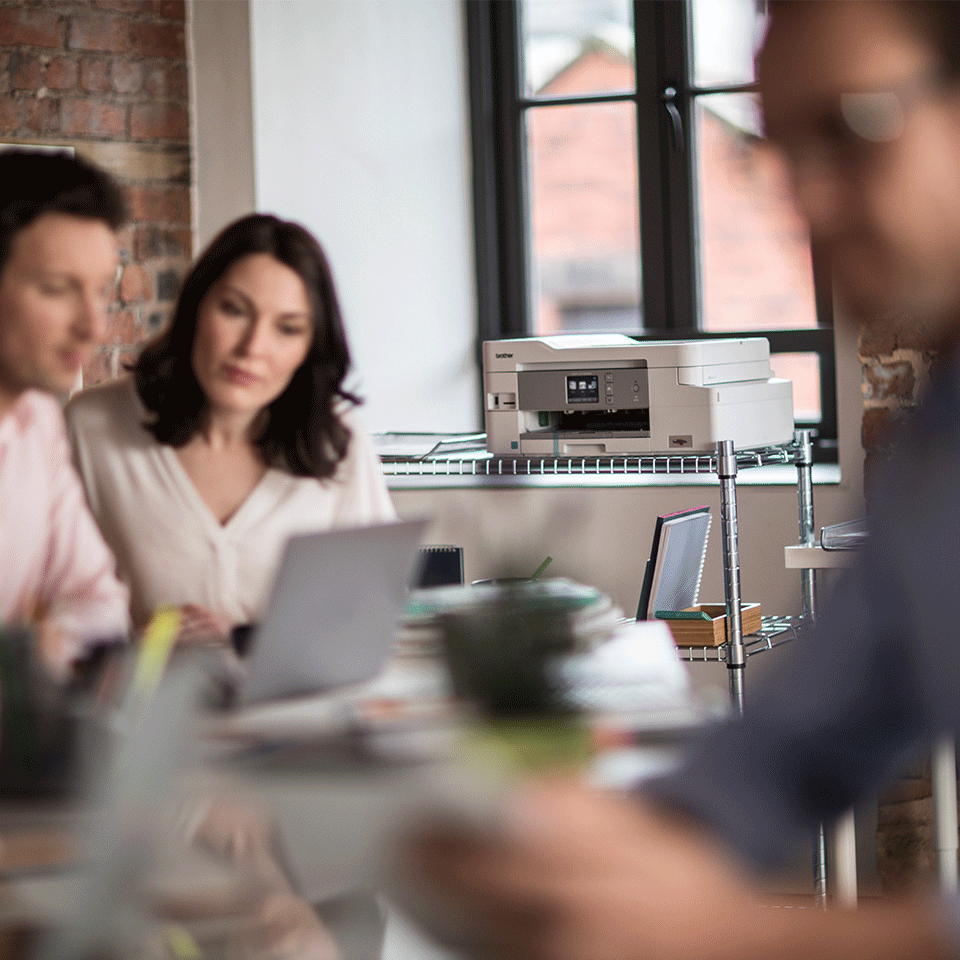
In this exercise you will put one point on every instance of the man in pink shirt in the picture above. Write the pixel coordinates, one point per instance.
(58, 268)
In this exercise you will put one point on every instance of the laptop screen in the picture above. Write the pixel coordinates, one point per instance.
(333, 609)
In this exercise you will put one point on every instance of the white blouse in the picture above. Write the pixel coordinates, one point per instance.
(170, 548)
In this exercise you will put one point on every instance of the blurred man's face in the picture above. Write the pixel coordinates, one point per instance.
(870, 128)
(55, 290)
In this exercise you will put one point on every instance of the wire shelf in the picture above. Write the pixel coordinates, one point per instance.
(482, 464)
(774, 632)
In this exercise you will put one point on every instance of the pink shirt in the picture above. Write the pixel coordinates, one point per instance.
(53, 560)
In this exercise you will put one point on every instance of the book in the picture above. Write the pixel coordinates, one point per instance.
(671, 579)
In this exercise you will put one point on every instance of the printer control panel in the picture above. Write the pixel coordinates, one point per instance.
(622, 388)
(583, 388)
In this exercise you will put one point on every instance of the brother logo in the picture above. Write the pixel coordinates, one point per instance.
(504, 356)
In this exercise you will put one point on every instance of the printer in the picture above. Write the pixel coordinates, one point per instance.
(608, 394)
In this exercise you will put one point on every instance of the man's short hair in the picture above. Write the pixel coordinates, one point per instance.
(937, 20)
(34, 182)
(940, 22)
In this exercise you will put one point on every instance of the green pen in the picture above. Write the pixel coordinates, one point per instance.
(543, 566)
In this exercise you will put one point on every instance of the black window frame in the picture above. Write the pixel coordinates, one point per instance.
(667, 181)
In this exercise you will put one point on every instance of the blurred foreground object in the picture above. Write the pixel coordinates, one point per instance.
(265, 919)
(39, 721)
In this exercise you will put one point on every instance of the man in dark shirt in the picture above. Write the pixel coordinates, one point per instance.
(863, 100)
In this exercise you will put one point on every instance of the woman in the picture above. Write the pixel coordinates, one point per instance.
(233, 432)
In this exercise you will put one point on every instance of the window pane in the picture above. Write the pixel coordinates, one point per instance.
(804, 370)
(584, 218)
(725, 36)
(576, 46)
(755, 264)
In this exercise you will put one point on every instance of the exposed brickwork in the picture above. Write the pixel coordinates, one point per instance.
(91, 118)
(96, 32)
(95, 74)
(159, 121)
(61, 74)
(41, 117)
(166, 204)
(896, 358)
(109, 78)
(896, 361)
(24, 70)
(29, 25)
(159, 39)
(126, 76)
(11, 116)
(889, 379)
(878, 426)
(134, 284)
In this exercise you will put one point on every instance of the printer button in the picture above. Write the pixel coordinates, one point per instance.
(608, 377)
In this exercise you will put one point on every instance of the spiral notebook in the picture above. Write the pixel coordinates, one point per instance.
(442, 566)
(671, 578)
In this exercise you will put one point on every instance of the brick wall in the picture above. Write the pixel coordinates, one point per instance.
(109, 78)
(895, 363)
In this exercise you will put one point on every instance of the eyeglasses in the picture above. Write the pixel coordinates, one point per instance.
(849, 130)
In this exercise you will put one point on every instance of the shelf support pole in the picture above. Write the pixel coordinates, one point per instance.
(736, 655)
(808, 600)
(808, 578)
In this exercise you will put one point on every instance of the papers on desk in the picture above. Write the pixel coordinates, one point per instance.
(636, 674)
(404, 715)
(419, 446)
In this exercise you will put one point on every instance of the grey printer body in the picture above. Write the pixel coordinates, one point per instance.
(608, 394)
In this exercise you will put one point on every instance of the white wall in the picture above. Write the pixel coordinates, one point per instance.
(360, 131)
(222, 115)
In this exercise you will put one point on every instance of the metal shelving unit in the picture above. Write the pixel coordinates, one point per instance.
(724, 463)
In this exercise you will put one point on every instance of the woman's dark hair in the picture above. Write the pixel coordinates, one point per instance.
(302, 433)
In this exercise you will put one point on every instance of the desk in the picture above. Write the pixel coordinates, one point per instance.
(337, 821)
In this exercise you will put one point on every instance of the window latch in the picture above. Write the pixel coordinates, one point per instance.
(676, 122)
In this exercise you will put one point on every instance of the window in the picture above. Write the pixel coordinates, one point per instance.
(622, 184)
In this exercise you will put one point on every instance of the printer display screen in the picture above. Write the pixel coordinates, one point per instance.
(583, 388)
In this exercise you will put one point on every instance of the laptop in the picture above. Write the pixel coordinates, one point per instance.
(333, 610)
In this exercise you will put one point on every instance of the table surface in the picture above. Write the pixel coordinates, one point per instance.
(338, 820)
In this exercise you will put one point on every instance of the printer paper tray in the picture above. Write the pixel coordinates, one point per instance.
(583, 444)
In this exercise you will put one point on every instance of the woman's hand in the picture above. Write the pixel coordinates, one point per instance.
(54, 649)
(198, 626)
